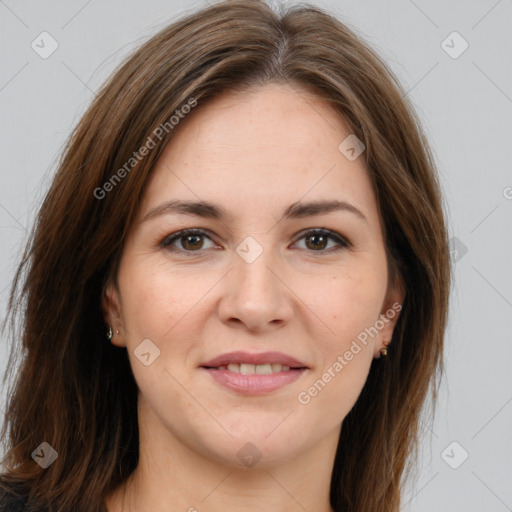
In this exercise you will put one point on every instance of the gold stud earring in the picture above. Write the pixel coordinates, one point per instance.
(384, 349)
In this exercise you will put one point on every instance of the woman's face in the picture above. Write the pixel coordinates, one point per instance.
(252, 277)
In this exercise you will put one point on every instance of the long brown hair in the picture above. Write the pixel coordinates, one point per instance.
(76, 391)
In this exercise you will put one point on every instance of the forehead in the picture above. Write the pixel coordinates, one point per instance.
(267, 147)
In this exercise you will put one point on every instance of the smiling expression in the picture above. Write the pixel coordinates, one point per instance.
(283, 257)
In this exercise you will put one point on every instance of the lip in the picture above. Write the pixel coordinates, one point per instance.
(254, 384)
(248, 358)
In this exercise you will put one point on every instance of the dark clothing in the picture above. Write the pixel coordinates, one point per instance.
(15, 499)
(12, 500)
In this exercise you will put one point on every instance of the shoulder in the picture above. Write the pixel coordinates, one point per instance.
(13, 498)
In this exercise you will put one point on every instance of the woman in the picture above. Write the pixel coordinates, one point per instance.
(237, 287)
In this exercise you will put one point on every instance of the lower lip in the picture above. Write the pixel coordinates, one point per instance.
(255, 384)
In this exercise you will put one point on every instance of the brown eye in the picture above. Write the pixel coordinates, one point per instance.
(191, 242)
(187, 241)
(317, 240)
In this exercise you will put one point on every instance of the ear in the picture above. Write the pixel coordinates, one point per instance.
(111, 307)
(389, 315)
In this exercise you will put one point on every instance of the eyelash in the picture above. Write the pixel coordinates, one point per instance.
(343, 243)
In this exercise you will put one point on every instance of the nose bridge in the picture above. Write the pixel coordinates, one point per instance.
(255, 295)
(253, 263)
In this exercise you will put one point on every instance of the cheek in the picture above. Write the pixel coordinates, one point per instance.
(346, 302)
(155, 299)
(347, 305)
(333, 391)
(159, 305)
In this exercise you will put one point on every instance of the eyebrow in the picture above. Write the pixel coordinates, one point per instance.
(209, 210)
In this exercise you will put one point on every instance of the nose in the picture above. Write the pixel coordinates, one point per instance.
(256, 295)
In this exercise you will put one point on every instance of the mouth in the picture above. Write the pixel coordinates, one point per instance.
(254, 369)
(254, 374)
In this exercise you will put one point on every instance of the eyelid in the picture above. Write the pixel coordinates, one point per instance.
(342, 241)
(169, 239)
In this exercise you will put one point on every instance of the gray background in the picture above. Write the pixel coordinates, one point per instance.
(466, 107)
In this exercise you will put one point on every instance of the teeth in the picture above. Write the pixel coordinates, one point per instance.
(251, 369)
(247, 369)
(264, 369)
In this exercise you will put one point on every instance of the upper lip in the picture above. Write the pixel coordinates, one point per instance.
(241, 357)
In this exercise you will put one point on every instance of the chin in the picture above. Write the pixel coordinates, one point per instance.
(255, 447)
(254, 454)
